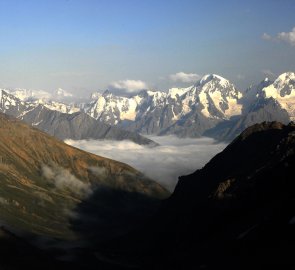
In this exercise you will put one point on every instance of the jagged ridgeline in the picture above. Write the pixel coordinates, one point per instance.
(45, 185)
(238, 211)
(62, 121)
(212, 107)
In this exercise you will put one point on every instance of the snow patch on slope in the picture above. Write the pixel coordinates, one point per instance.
(283, 90)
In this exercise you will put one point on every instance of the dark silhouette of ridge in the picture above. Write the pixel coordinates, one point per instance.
(235, 213)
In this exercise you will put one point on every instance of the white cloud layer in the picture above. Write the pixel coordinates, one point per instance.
(129, 86)
(165, 163)
(288, 37)
(184, 77)
(63, 179)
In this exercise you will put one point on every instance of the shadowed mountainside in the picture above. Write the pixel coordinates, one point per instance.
(43, 180)
(79, 126)
(235, 213)
(262, 110)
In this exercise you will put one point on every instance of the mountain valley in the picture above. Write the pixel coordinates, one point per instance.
(235, 213)
(60, 202)
(43, 181)
(147, 135)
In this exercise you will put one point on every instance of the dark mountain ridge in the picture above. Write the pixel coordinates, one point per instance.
(235, 213)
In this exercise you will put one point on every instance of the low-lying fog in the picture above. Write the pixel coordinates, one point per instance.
(165, 163)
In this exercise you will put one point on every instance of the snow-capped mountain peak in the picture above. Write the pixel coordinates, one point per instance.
(285, 83)
(179, 111)
(254, 92)
(215, 78)
(107, 92)
(62, 93)
(95, 95)
(110, 108)
(283, 91)
(30, 95)
(32, 98)
(216, 95)
(12, 105)
(172, 92)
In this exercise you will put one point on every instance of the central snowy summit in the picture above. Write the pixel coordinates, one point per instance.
(217, 97)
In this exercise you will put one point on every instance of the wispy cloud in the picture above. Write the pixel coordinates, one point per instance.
(64, 180)
(288, 37)
(266, 36)
(184, 77)
(99, 171)
(3, 201)
(165, 163)
(128, 86)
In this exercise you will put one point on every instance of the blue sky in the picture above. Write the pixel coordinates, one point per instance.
(86, 45)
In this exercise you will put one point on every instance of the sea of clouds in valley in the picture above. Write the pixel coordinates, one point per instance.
(165, 163)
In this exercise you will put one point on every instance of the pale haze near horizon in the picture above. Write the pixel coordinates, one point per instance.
(165, 163)
(85, 46)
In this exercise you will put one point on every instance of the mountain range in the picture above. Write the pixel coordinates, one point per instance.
(212, 107)
(62, 120)
(69, 208)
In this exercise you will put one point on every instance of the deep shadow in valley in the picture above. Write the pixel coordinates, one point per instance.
(235, 213)
(103, 223)
(108, 213)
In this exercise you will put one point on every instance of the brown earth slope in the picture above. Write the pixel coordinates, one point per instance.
(43, 181)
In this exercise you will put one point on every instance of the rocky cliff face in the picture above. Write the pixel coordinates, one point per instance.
(236, 212)
(283, 90)
(259, 111)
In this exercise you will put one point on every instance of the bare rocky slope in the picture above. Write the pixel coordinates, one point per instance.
(44, 184)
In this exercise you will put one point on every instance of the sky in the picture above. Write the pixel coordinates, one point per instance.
(88, 45)
(172, 158)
